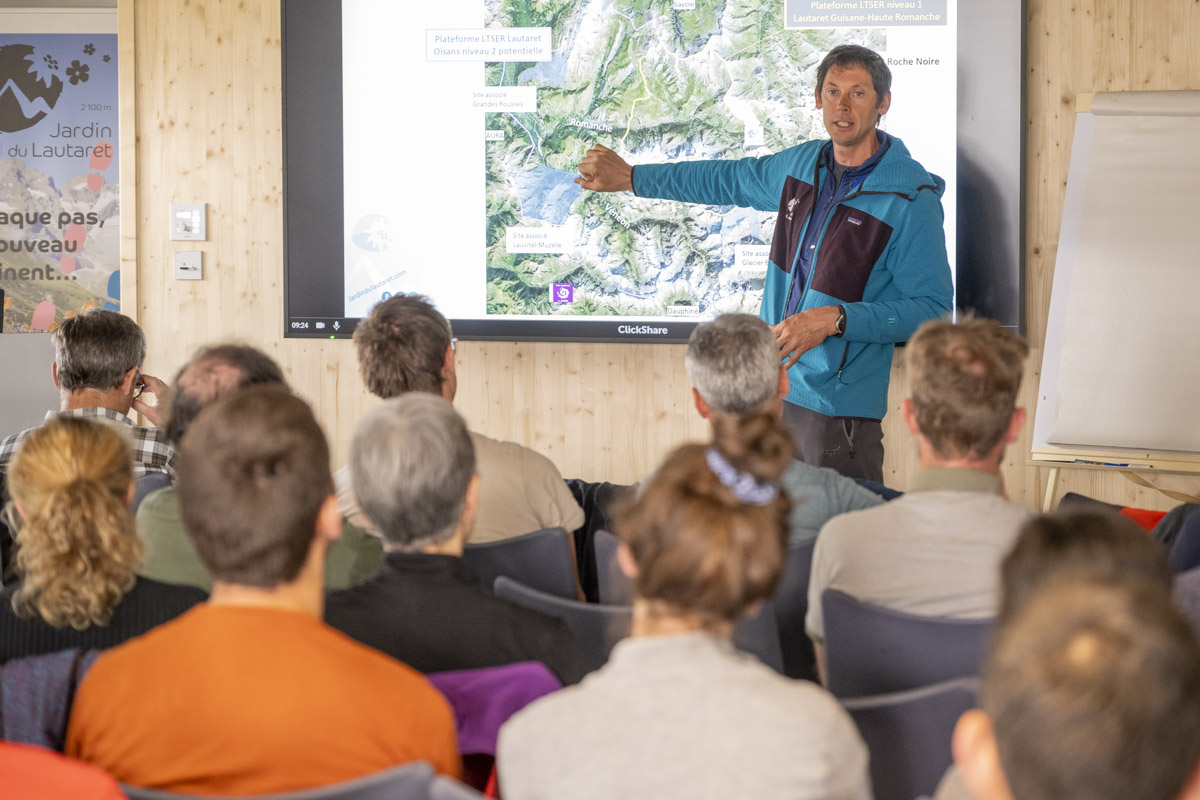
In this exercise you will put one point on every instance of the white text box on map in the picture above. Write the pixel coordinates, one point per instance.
(512, 99)
(537, 240)
(487, 44)
(750, 260)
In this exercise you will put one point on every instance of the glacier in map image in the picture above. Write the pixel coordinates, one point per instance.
(655, 80)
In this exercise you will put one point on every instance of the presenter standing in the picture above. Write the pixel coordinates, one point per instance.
(857, 260)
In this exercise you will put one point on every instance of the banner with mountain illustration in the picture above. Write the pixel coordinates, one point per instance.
(59, 192)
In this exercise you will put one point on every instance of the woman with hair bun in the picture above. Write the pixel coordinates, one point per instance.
(678, 712)
(76, 554)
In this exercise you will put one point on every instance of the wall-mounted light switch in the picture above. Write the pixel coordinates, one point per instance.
(188, 223)
(188, 265)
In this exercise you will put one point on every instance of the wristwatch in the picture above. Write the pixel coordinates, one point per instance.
(840, 327)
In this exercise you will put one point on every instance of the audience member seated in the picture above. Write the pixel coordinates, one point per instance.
(412, 466)
(251, 693)
(1079, 544)
(405, 345)
(936, 550)
(77, 556)
(677, 712)
(1082, 542)
(733, 364)
(97, 366)
(1091, 692)
(212, 373)
(31, 773)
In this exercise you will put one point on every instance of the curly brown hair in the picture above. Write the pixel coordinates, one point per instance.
(77, 553)
(701, 550)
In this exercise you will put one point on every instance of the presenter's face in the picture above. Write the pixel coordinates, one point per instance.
(850, 106)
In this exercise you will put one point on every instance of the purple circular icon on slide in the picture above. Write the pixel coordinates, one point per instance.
(371, 233)
(562, 293)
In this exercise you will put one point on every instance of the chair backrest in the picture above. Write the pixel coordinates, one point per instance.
(615, 587)
(1185, 550)
(36, 694)
(791, 607)
(1187, 595)
(444, 788)
(541, 559)
(872, 650)
(484, 699)
(597, 627)
(405, 782)
(757, 633)
(147, 485)
(908, 735)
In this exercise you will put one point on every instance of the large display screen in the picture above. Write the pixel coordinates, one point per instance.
(433, 149)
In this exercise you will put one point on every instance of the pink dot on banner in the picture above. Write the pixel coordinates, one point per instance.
(75, 235)
(43, 316)
(95, 181)
(67, 264)
(102, 156)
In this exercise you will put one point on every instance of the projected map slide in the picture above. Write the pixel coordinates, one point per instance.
(462, 135)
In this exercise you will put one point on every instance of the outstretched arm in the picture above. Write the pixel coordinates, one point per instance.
(602, 170)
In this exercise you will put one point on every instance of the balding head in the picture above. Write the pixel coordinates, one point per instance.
(212, 373)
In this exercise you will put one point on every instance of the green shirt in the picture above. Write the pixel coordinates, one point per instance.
(172, 558)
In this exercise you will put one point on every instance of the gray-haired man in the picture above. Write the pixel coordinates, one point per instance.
(412, 466)
(733, 364)
(97, 366)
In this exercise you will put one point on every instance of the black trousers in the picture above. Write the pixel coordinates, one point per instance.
(853, 447)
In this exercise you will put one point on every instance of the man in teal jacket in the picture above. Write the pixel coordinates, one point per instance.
(857, 262)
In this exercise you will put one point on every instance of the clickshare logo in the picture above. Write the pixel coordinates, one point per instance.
(27, 92)
(641, 330)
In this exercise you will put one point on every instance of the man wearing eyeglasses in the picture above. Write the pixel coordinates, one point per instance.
(98, 358)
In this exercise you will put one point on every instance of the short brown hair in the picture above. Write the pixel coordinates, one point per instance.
(1093, 687)
(402, 346)
(700, 550)
(965, 378)
(95, 349)
(1071, 544)
(77, 554)
(253, 474)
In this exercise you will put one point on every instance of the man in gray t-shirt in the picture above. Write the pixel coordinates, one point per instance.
(937, 550)
(733, 364)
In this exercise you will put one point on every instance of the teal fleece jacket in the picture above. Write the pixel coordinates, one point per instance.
(881, 255)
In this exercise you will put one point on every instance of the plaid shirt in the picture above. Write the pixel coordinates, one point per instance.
(151, 453)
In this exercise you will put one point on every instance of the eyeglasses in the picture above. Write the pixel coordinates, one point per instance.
(139, 386)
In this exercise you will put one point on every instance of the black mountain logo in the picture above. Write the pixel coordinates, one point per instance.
(24, 98)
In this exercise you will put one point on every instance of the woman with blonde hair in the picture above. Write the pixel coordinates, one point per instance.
(76, 553)
(677, 712)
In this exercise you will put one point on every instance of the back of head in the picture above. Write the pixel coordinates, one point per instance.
(411, 461)
(1079, 544)
(77, 554)
(214, 372)
(845, 56)
(1093, 687)
(401, 347)
(95, 349)
(709, 530)
(733, 361)
(253, 474)
(965, 377)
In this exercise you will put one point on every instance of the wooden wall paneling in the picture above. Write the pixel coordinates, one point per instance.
(127, 148)
(204, 83)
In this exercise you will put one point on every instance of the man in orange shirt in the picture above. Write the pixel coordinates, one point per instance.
(252, 693)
